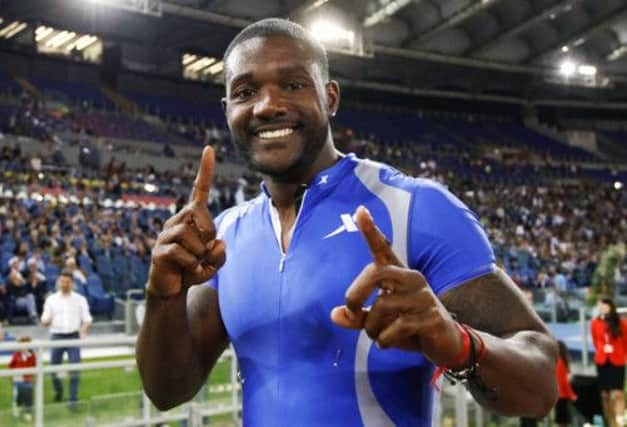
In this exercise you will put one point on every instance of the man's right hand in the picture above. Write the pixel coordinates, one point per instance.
(187, 251)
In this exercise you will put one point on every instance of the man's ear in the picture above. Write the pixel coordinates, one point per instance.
(333, 97)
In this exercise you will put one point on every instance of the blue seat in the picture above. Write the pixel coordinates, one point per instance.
(121, 273)
(86, 264)
(7, 337)
(100, 301)
(139, 272)
(5, 256)
(104, 268)
(52, 274)
(80, 288)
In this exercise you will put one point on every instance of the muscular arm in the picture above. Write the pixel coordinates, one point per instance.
(179, 342)
(519, 364)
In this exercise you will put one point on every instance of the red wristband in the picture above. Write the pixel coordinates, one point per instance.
(459, 359)
(464, 354)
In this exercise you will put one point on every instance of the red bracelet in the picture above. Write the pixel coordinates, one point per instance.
(464, 354)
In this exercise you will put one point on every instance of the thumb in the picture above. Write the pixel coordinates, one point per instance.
(344, 317)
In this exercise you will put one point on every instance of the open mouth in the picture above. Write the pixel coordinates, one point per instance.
(275, 134)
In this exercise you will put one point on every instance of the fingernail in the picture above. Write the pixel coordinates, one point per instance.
(367, 211)
(211, 245)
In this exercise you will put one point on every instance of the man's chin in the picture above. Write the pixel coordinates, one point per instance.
(271, 169)
(277, 170)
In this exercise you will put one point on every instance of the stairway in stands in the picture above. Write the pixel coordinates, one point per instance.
(121, 103)
(29, 88)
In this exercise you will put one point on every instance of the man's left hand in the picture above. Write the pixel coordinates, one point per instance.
(406, 314)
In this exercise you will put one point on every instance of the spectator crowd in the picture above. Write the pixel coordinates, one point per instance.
(548, 224)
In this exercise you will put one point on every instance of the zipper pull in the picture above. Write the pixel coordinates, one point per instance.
(282, 263)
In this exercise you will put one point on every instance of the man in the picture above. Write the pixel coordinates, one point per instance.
(294, 296)
(22, 290)
(67, 314)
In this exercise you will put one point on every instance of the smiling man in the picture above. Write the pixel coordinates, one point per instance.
(312, 284)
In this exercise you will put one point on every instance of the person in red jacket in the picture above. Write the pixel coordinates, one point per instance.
(609, 336)
(566, 393)
(23, 384)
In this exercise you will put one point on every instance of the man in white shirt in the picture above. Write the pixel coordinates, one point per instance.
(67, 314)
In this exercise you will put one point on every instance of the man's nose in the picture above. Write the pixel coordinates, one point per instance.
(270, 105)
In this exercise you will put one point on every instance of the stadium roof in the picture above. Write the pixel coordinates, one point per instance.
(502, 48)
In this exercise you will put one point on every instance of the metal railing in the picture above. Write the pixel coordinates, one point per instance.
(195, 411)
(456, 404)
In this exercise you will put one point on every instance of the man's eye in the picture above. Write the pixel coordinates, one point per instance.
(295, 86)
(243, 93)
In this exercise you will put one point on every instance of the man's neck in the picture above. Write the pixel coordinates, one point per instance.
(285, 193)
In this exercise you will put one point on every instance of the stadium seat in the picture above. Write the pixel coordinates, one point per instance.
(52, 274)
(86, 264)
(100, 301)
(139, 272)
(104, 268)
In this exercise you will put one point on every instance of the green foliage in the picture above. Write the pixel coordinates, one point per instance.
(603, 280)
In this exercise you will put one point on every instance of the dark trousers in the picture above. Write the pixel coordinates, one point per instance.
(56, 358)
(24, 394)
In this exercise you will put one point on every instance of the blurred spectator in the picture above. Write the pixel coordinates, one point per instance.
(36, 281)
(77, 274)
(67, 315)
(23, 384)
(564, 405)
(4, 303)
(609, 337)
(21, 292)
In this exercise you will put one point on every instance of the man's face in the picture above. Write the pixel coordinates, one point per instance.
(277, 105)
(65, 284)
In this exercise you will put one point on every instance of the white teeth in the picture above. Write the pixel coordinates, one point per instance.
(275, 133)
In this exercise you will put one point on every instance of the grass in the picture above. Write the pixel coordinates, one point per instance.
(105, 396)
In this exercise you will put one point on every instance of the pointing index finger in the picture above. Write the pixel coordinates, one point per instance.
(204, 177)
(380, 248)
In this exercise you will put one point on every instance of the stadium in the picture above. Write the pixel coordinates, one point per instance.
(517, 107)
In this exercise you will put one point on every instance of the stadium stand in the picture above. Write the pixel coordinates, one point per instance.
(553, 238)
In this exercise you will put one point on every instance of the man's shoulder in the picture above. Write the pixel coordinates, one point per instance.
(54, 296)
(76, 296)
(393, 177)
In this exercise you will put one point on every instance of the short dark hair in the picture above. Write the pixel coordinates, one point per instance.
(66, 272)
(281, 27)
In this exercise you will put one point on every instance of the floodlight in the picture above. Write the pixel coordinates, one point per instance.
(565, 49)
(329, 31)
(617, 53)
(201, 63)
(188, 58)
(60, 38)
(10, 28)
(16, 30)
(216, 68)
(386, 10)
(42, 32)
(568, 68)
(587, 70)
(82, 42)
(618, 185)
